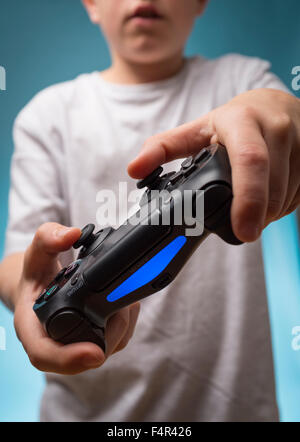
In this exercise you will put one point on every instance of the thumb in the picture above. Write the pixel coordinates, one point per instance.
(180, 142)
(40, 259)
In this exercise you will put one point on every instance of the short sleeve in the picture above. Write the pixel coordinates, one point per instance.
(36, 187)
(254, 73)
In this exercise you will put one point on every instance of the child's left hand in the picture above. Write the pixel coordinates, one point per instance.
(261, 130)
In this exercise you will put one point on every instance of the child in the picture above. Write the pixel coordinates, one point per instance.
(201, 349)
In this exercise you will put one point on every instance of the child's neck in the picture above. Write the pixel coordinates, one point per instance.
(125, 72)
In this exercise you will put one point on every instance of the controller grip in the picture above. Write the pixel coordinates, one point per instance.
(69, 326)
(221, 225)
(218, 200)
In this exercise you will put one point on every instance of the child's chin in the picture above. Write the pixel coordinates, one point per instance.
(150, 60)
(148, 53)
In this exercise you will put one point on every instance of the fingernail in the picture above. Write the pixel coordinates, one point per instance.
(92, 361)
(59, 233)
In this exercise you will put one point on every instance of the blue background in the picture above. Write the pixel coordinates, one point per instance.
(46, 41)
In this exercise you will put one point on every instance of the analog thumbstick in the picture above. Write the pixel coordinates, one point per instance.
(86, 238)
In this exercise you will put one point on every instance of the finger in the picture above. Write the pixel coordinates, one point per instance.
(47, 355)
(180, 142)
(133, 316)
(249, 160)
(279, 181)
(116, 329)
(49, 240)
(291, 202)
(279, 137)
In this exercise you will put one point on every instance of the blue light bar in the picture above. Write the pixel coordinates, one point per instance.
(148, 271)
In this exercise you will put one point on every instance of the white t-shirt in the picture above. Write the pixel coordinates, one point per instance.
(202, 347)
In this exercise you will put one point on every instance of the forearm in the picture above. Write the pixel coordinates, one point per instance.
(10, 274)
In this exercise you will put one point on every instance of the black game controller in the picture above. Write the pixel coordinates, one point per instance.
(118, 267)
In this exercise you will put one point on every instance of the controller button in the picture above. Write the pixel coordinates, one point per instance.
(63, 323)
(187, 163)
(190, 170)
(201, 156)
(74, 279)
(50, 292)
(72, 268)
(150, 179)
(176, 177)
(60, 274)
(162, 281)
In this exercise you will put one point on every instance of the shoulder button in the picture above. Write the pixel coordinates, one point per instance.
(150, 179)
(187, 163)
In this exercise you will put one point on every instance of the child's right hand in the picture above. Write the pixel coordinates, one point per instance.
(40, 266)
